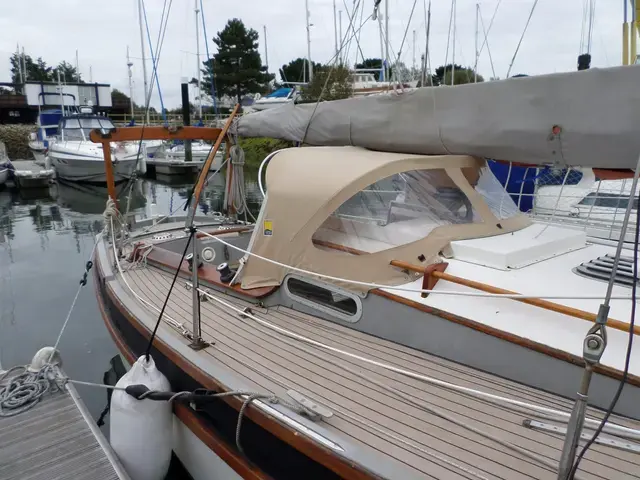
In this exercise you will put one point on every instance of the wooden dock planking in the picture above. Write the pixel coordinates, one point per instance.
(55, 440)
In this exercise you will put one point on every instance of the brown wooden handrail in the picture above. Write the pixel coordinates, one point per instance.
(536, 302)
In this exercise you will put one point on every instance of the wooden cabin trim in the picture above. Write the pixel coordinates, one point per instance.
(160, 257)
(228, 455)
(305, 445)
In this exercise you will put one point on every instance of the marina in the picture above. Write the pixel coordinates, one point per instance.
(393, 263)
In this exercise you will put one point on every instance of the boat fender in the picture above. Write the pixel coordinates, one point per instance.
(141, 430)
(44, 356)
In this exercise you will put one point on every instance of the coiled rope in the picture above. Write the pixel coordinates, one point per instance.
(20, 392)
(237, 195)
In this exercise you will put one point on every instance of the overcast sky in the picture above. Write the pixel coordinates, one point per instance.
(101, 31)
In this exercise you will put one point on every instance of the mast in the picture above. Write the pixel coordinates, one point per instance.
(414, 51)
(383, 73)
(144, 61)
(386, 35)
(340, 26)
(24, 65)
(77, 68)
(625, 36)
(453, 53)
(335, 28)
(266, 50)
(426, 50)
(634, 33)
(198, 60)
(61, 94)
(90, 74)
(129, 65)
(475, 65)
(19, 60)
(306, 6)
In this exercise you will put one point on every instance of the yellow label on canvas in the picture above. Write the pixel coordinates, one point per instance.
(268, 228)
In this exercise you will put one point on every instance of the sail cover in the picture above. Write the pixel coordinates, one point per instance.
(588, 118)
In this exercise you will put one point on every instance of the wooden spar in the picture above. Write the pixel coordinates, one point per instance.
(536, 302)
(197, 191)
(229, 205)
(135, 134)
(108, 169)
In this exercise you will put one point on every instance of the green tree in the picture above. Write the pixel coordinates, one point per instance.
(297, 70)
(329, 84)
(374, 64)
(37, 71)
(68, 73)
(462, 75)
(237, 65)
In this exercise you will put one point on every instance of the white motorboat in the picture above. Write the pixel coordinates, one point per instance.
(47, 128)
(199, 153)
(280, 97)
(75, 158)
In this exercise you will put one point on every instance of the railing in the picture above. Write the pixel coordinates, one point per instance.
(172, 119)
(574, 198)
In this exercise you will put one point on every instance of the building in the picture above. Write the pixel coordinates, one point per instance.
(19, 103)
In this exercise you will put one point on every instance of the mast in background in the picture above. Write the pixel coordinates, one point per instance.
(387, 67)
(340, 26)
(24, 65)
(634, 32)
(129, 65)
(77, 68)
(414, 51)
(198, 60)
(306, 6)
(335, 28)
(453, 53)
(19, 60)
(625, 35)
(144, 61)
(475, 65)
(266, 50)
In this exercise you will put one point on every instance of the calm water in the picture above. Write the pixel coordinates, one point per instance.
(45, 240)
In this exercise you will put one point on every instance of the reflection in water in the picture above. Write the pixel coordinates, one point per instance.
(45, 239)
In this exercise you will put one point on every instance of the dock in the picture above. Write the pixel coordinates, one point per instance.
(167, 166)
(56, 439)
(28, 174)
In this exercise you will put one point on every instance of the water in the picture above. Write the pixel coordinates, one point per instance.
(45, 240)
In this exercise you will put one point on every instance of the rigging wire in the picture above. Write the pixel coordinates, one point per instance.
(166, 300)
(515, 54)
(592, 16)
(154, 63)
(486, 39)
(486, 35)
(406, 31)
(213, 77)
(446, 54)
(627, 361)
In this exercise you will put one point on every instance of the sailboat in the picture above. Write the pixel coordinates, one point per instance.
(397, 320)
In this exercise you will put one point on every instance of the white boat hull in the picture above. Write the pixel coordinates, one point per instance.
(85, 163)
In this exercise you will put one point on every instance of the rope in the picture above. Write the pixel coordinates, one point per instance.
(237, 195)
(251, 397)
(19, 393)
(408, 289)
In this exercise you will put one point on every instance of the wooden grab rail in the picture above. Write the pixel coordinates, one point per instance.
(536, 302)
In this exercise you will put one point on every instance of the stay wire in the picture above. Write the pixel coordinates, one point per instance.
(166, 300)
(627, 360)
(524, 31)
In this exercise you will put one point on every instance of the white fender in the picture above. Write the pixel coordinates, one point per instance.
(141, 431)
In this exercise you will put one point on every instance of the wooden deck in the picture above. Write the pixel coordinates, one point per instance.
(391, 415)
(54, 440)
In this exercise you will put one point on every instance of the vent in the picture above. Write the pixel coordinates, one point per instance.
(602, 267)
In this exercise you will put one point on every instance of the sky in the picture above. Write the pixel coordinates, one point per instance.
(102, 30)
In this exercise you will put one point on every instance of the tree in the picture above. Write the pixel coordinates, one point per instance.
(461, 75)
(374, 64)
(68, 73)
(37, 71)
(297, 70)
(237, 67)
(338, 85)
